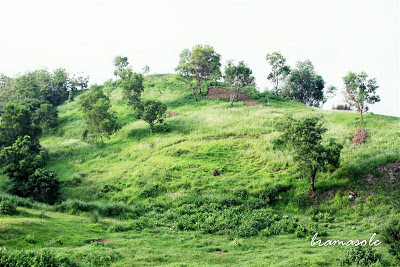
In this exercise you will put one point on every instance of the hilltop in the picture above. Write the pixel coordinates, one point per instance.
(208, 159)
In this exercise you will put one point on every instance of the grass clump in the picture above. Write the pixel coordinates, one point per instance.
(361, 256)
(33, 258)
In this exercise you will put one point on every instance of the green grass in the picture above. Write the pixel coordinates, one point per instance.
(166, 169)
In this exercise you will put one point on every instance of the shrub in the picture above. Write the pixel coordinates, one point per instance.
(342, 107)
(7, 207)
(33, 258)
(360, 256)
(391, 236)
(43, 186)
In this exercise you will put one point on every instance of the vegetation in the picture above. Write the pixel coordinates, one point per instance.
(238, 77)
(201, 63)
(212, 186)
(279, 70)
(360, 91)
(304, 138)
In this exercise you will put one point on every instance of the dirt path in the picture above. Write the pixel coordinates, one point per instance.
(218, 92)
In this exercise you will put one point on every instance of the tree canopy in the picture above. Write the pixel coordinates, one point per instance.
(304, 138)
(278, 69)
(238, 76)
(360, 91)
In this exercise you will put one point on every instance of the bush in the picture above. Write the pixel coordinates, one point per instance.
(43, 186)
(7, 207)
(33, 258)
(360, 256)
(341, 107)
(391, 236)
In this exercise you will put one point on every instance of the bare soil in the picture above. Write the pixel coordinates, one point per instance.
(219, 92)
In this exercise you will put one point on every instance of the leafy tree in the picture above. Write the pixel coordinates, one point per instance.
(7, 93)
(96, 110)
(120, 63)
(146, 70)
(152, 112)
(16, 122)
(305, 84)
(304, 139)
(329, 93)
(360, 91)
(202, 63)
(76, 84)
(132, 85)
(20, 160)
(278, 69)
(238, 77)
(43, 186)
(43, 113)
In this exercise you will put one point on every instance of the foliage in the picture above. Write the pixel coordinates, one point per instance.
(43, 186)
(304, 138)
(7, 207)
(16, 121)
(278, 69)
(238, 77)
(120, 63)
(201, 63)
(152, 112)
(305, 85)
(132, 85)
(96, 110)
(391, 236)
(22, 159)
(360, 256)
(341, 107)
(360, 91)
(42, 258)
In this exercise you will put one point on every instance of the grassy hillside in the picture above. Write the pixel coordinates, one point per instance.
(163, 177)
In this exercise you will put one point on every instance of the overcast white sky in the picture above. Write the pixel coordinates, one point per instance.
(84, 36)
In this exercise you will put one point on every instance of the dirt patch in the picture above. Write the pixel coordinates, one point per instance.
(98, 240)
(389, 174)
(218, 252)
(218, 92)
(359, 137)
(171, 114)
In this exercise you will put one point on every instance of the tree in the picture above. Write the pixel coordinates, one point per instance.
(146, 70)
(43, 186)
(152, 112)
(20, 160)
(96, 110)
(16, 122)
(304, 139)
(132, 85)
(43, 114)
(329, 93)
(360, 91)
(185, 71)
(7, 93)
(305, 84)
(238, 77)
(120, 63)
(278, 69)
(202, 63)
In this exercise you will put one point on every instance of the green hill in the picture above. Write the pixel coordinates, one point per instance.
(196, 191)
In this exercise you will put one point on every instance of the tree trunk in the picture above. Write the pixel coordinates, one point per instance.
(232, 98)
(195, 95)
(199, 85)
(361, 113)
(312, 188)
(151, 128)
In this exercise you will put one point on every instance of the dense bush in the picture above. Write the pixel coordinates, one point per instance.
(7, 207)
(342, 107)
(43, 186)
(33, 258)
(391, 235)
(360, 256)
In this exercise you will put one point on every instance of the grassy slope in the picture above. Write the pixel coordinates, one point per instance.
(204, 136)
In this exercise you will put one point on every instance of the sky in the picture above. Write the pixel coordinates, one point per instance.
(85, 36)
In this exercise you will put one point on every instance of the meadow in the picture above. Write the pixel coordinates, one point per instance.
(146, 200)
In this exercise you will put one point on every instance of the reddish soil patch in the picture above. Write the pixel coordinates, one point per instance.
(359, 136)
(171, 114)
(218, 92)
